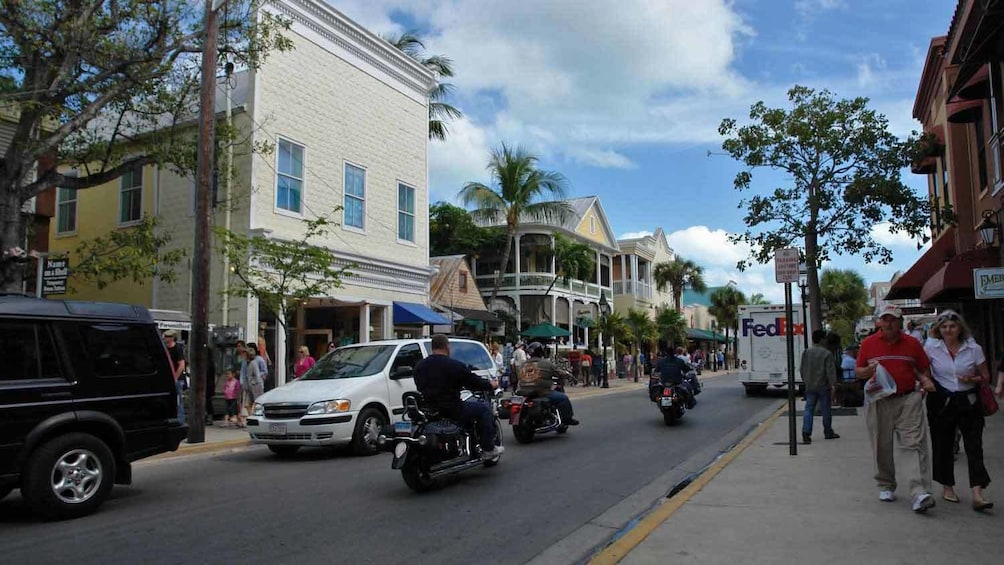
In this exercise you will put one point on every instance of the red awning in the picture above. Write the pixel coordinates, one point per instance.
(955, 279)
(964, 111)
(908, 285)
(978, 86)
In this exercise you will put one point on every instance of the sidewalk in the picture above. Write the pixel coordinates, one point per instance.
(766, 506)
(616, 384)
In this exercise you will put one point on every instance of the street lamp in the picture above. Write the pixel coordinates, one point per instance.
(803, 282)
(605, 311)
(714, 352)
(988, 228)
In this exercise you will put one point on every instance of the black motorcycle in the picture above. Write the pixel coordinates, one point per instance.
(531, 414)
(427, 447)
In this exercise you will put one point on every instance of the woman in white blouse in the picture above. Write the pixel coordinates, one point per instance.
(958, 367)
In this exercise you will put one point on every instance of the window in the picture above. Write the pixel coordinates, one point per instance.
(471, 354)
(405, 212)
(944, 178)
(67, 211)
(118, 351)
(131, 197)
(592, 224)
(27, 352)
(463, 282)
(408, 356)
(981, 151)
(289, 177)
(355, 196)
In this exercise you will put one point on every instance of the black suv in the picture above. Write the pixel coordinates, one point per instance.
(86, 388)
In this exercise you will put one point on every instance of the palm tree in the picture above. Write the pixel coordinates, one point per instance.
(725, 304)
(845, 294)
(643, 330)
(439, 111)
(758, 298)
(678, 274)
(672, 327)
(517, 196)
(572, 260)
(614, 329)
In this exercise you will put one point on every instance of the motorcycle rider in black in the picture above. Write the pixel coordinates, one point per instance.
(548, 372)
(440, 379)
(672, 372)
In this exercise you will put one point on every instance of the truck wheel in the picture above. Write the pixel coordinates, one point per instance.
(68, 476)
(368, 426)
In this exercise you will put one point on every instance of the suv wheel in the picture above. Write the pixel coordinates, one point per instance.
(68, 476)
(368, 427)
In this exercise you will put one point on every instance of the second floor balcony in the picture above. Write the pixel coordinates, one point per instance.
(539, 282)
(638, 289)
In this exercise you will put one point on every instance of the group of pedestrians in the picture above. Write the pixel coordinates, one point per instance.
(936, 395)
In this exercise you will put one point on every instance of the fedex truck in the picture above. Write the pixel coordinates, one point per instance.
(763, 345)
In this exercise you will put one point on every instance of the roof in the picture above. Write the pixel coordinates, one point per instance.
(442, 283)
(580, 207)
(22, 305)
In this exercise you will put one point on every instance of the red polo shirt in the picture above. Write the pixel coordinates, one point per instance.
(901, 359)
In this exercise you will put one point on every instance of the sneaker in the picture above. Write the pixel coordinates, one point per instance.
(922, 502)
(832, 435)
(806, 438)
(886, 496)
(493, 453)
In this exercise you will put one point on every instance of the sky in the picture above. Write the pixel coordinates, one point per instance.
(624, 99)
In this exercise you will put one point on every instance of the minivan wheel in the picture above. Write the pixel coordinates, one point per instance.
(368, 426)
(68, 476)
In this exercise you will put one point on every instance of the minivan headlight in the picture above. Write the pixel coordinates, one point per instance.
(258, 410)
(329, 406)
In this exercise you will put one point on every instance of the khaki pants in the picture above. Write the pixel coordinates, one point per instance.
(903, 415)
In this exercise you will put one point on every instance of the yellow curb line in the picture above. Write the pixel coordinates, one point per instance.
(195, 449)
(630, 540)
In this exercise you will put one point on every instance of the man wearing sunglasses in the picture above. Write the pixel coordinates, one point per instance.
(901, 414)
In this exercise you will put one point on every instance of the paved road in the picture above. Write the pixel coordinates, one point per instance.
(248, 507)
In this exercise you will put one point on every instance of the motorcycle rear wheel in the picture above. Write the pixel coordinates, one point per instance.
(498, 443)
(417, 480)
(669, 418)
(523, 433)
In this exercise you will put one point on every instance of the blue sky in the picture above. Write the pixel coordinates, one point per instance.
(624, 98)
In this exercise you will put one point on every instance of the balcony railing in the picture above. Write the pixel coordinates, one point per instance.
(539, 281)
(636, 288)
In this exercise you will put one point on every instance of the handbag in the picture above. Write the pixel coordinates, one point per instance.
(988, 404)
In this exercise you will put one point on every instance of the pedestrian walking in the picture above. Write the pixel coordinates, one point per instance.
(178, 365)
(626, 361)
(231, 393)
(518, 360)
(849, 391)
(819, 373)
(586, 367)
(303, 361)
(900, 414)
(255, 381)
(959, 368)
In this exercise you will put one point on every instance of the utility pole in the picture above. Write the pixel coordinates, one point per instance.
(199, 346)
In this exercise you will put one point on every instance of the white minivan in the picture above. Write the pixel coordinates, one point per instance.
(350, 394)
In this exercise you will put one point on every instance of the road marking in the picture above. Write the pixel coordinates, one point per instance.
(620, 549)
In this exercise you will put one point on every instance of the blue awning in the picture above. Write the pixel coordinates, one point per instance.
(412, 313)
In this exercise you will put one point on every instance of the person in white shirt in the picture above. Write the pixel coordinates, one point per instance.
(958, 367)
(915, 331)
(519, 358)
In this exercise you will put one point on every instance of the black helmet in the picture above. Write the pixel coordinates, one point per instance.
(536, 349)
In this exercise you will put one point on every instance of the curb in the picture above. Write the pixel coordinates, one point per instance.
(199, 448)
(631, 539)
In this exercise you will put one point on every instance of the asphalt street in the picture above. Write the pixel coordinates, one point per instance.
(322, 507)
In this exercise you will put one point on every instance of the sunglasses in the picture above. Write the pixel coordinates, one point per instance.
(949, 316)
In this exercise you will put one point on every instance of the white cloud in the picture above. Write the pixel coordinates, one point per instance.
(870, 67)
(882, 234)
(811, 8)
(458, 160)
(634, 234)
(600, 158)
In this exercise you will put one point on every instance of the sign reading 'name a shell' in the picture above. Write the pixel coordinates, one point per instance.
(786, 262)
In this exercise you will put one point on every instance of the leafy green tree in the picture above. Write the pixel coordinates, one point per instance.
(643, 331)
(679, 274)
(572, 260)
(518, 195)
(439, 111)
(758, 298)
(614, 329)
(90, 81)
(452, 231)
(846, 296)
(672, 327)
(279, 273)
(725, 304)
(844, 169)
(136, 253)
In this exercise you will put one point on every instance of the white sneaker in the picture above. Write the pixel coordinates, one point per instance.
(493, 454)
(922, 502)
(886, 496)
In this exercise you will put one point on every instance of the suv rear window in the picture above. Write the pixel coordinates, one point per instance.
(471, 354)
(27, 352)
(117, 350)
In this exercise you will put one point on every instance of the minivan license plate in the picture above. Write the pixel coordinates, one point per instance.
(277, 429)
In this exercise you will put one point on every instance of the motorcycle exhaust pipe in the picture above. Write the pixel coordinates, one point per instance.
(453, 470)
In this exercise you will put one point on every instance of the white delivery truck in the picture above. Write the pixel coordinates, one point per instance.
(762, 345)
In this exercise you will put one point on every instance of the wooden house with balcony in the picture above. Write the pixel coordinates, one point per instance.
(634, 267)
(530, 272)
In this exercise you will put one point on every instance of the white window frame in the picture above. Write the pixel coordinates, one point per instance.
(592, 224)
(132, 188)
(346, 195)
(413, 214)
(303, 179)
(59, 215)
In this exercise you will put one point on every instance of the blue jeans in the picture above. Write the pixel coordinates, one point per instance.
(475, 412)
(821, 397)
(562, 403)
(181, 401)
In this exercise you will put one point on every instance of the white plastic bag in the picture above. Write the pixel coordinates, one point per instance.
(879, 386)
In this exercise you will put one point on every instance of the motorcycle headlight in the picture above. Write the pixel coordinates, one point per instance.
(258, 410)
(329, 406)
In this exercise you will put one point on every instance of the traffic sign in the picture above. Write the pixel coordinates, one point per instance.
(786, 263)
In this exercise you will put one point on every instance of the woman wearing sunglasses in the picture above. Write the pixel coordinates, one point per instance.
(958, 367)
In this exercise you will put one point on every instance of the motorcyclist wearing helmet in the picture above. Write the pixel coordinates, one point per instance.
(673, 371)
(549, 372)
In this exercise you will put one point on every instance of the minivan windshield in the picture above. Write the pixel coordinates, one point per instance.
(349, 362)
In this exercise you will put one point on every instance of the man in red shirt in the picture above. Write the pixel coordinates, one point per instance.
(903, 413)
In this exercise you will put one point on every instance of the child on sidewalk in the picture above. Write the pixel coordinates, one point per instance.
(231, 392)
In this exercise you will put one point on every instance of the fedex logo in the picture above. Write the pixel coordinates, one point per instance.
(778, 328)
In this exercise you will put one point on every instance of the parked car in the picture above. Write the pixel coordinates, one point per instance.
(86, 388)
(350, 394)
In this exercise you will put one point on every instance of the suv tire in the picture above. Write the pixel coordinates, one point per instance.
(369, 423)
(82, 465)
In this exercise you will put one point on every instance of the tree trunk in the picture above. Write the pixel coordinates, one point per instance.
(812, 276)
(12, 229)
(510, 238)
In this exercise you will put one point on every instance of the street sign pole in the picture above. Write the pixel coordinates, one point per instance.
(790, 338)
